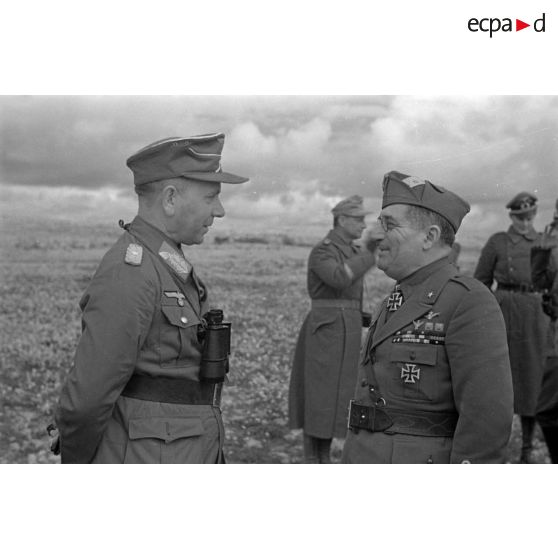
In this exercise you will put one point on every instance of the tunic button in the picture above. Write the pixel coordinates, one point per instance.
(364, 383)
(184, 320)
(371, 389)
(412, 356)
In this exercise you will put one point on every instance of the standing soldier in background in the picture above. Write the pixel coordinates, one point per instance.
(326, 355)
(138, 391)
(506, 259)
(544, 267)
(434, 382)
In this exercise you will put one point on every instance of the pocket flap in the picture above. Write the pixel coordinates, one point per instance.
(163, 428)
(320, 318)
(425, 354)
(180, 316)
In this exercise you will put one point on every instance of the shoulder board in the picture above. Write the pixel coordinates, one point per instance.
(134, 254)
(468, 282)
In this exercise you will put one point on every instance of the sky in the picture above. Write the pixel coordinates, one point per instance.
(302, 153)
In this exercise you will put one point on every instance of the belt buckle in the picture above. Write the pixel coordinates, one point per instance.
(361, 418)
(358, 419)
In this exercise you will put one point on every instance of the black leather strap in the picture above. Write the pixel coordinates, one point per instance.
(391, 420)
(169, 390)
(523, 288)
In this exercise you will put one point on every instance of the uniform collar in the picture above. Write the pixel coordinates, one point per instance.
(340, 238)
(517, 236)
(341, 234)
(150, 235)
(420, 275)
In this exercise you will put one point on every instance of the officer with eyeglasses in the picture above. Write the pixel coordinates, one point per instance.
(434, 381)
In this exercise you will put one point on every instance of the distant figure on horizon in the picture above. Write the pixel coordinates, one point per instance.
(434, 382)
(139, 390)
(326, 355)
(506, 259)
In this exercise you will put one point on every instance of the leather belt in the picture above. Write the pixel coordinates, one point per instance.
(335, 303)
(180, 391)
(391, 420)
(518, 288)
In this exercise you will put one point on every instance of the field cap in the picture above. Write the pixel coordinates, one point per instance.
(351, 207)
(197, 157)
(523, 203)
(410, 190)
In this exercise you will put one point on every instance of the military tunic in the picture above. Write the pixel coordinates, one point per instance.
(506, 259)
(326, 355)
(443, 351)
(138, 317)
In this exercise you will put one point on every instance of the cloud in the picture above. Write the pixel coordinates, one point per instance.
(486, 148)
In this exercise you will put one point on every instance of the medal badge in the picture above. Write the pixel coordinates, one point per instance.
(410, 373)
(395, 299)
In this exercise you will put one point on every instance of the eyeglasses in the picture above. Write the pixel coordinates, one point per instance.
(388, 224)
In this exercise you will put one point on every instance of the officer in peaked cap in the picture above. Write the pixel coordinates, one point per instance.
(326, 354)
(506, 259)
(137, 391)
(434, 381)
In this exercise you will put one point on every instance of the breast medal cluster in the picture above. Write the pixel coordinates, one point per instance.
(424, 331)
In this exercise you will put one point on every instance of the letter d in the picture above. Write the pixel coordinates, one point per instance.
(535, 25)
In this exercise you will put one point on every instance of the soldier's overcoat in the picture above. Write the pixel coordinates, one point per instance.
(506, 259)
(326, 355)
(443, 351)
(134, 322)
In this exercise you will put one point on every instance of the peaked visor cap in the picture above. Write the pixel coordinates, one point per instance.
(196, 157)
(524, 202)
(401, 188)
(352, 207)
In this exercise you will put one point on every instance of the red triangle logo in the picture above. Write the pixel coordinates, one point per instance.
(519, 25)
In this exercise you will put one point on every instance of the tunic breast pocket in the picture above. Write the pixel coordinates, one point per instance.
(178, 339)
(414, 372)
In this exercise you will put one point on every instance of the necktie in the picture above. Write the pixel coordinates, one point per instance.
(395, 299)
